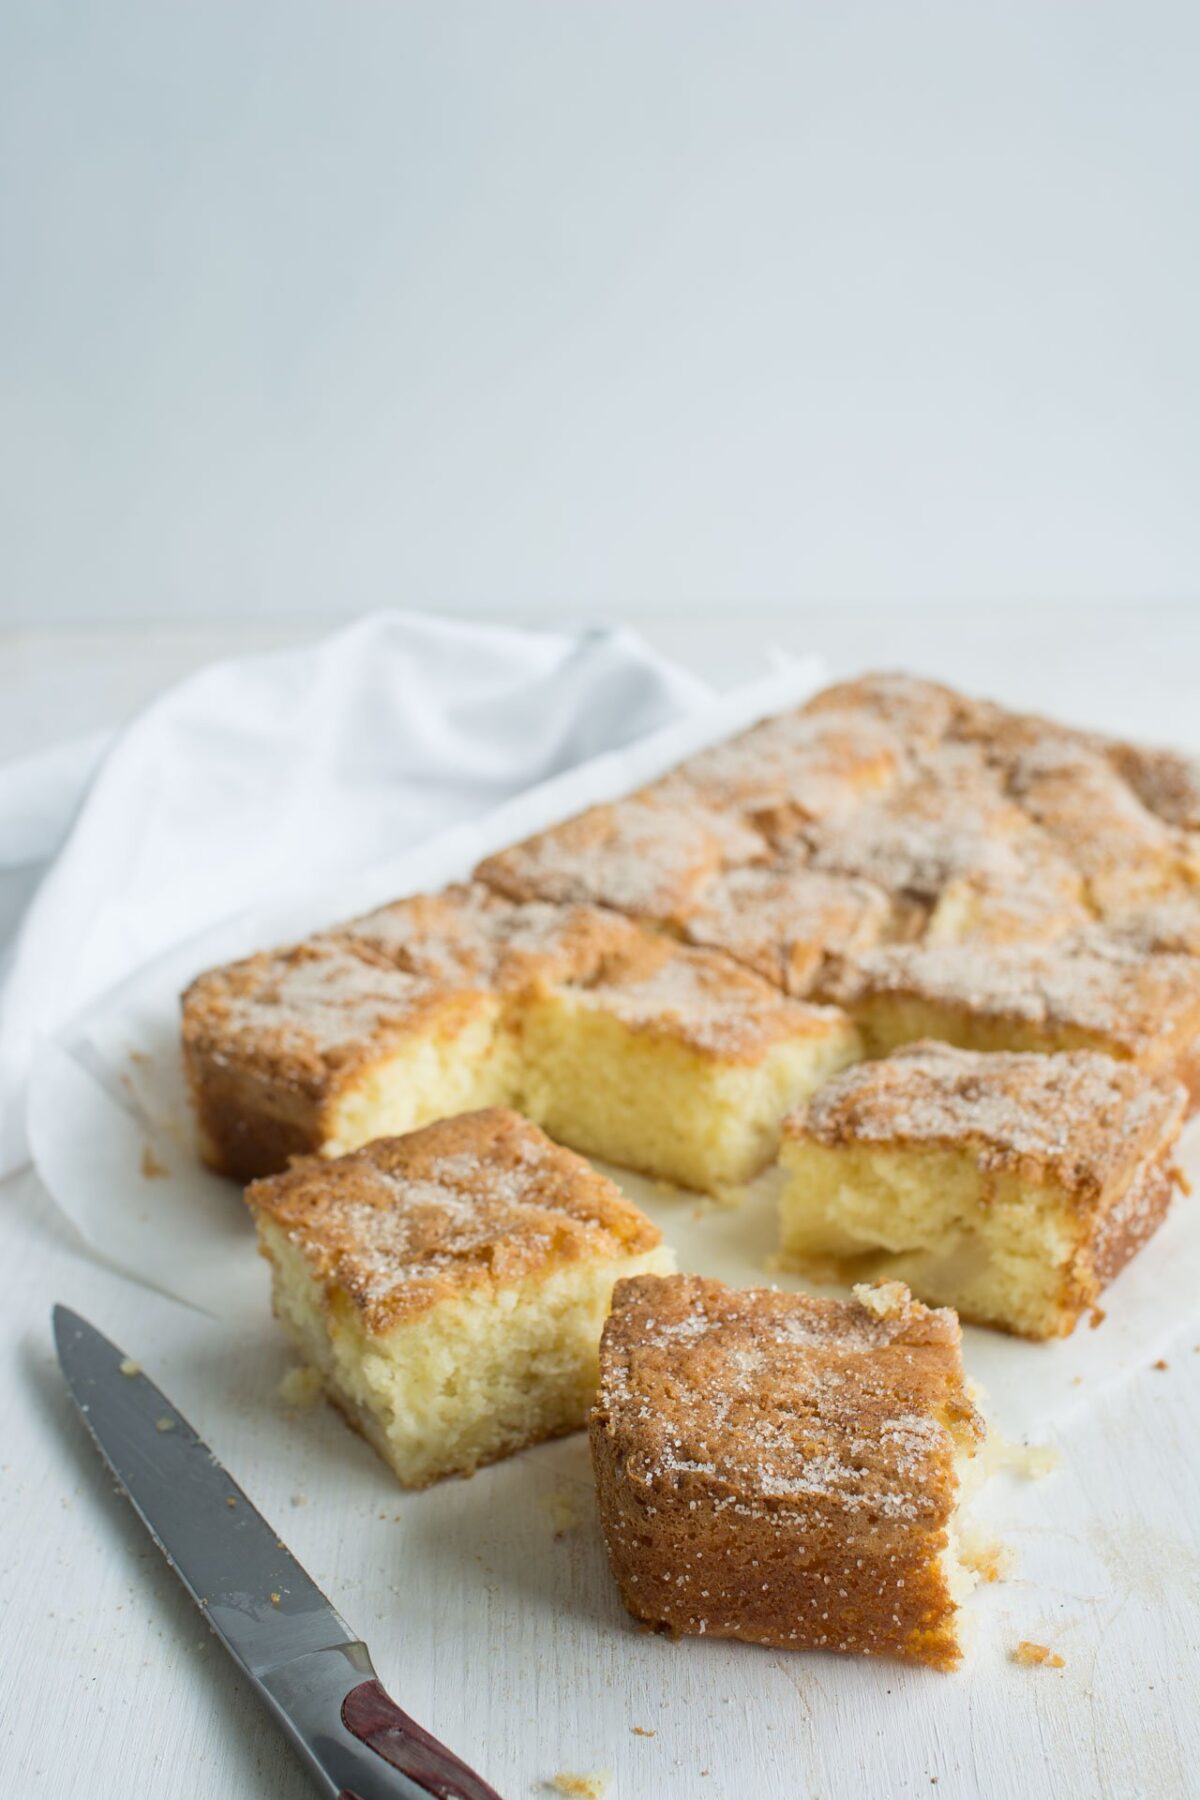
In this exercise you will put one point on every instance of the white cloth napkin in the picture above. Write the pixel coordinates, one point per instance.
(271, 772)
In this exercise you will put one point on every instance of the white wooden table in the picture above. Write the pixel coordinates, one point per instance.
(492, 1629)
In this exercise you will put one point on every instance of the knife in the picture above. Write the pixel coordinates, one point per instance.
(302, 1658)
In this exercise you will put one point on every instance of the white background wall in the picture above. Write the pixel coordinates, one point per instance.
(527, 306)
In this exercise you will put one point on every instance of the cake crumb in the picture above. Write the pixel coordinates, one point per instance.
(231, 1500)
(128, 1367)
(582, 1787)
(1033, 1461)
(164, 1424)
(153, 1169)
(988, 1558)
(886, 1299)
(643, 1731)
(275, 1598)
(301, 1386)
(1162, 1363)
(1037, 1656)
(563, 1508)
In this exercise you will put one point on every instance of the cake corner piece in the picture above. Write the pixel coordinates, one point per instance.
(784, 1469)
(1012, 1186)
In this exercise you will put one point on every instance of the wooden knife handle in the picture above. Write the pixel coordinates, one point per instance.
(373, 1717)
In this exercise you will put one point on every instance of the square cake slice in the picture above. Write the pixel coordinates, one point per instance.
(1012, 1187)
(1091, 990)
(450, 1286)
(643, 856)
(785, 1469)
(788, 921)
(676, 1062)
(321, 1046)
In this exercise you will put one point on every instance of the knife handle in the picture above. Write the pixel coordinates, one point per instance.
(372, 1716)
(356, 1740)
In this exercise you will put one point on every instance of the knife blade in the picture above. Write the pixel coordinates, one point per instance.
(297, 1650)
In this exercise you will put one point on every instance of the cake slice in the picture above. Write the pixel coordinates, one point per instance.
(785, 1469)
(1012, 1187)
(324, 1045)
(789, 769)
(1087, 991)
(450, 1286)
(674, 1061)
(789, 922)
(469, 935)
(1125, 853)
(921, 713)
(646, 857)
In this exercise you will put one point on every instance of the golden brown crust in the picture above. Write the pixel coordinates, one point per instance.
(305, 1012)
(643, 858)
(788, 921)
(270, 1041)
(1165, 781)
(470, 935)
(1099, 1134)
(780, 1468)
(1034, 887)
(921, 713)
(700, 998)
(1092, 985)
(481, 1200)
(1080, 1119)
(786, 770)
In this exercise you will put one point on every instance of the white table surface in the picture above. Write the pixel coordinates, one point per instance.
(113, 1687)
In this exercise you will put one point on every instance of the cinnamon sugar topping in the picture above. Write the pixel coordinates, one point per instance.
(1081, 1115)
(482, 1199)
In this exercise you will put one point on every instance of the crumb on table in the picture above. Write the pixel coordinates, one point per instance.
(301, 1386)
(562, 1506)
(582, 1787)
(1037, 1656)
(128, 1367)
(153, 1168)
(990, 1559)
(643, 1731)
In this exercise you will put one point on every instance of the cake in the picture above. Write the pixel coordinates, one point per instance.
(784, 1469)
(321, 1046)
(1092, 989)
(450, 1286)
(397, 1018)
(792, 924)
(640, 856)
(675, 1061)
(619, 1040)
(930, 864)
(1012, 1187)
(790, 770)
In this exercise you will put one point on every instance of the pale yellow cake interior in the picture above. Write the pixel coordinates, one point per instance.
(647, 1098)
(468, 1379)
(889, 1021)
(435, 1075)
(660, 1104)
(918, 1214)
